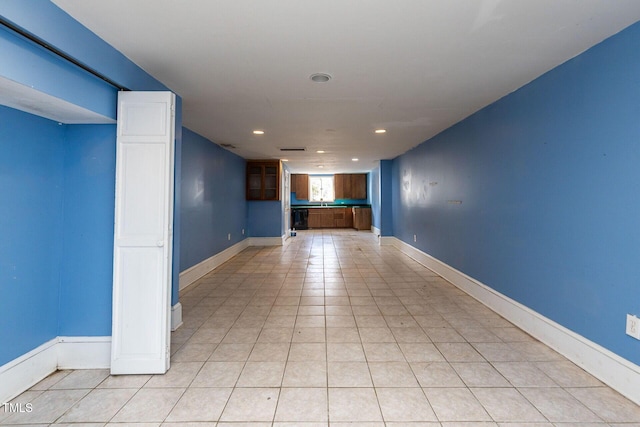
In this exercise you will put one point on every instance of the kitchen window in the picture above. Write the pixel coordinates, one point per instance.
(321, 188)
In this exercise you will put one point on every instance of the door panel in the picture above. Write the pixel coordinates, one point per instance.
(140, 201)
(143, 233)
(140, 336)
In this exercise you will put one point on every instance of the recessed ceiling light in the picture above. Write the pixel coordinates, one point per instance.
(258, 132)
(320, 166)
(320, 77)
(320, 151)
(381, 131)
(355, 159)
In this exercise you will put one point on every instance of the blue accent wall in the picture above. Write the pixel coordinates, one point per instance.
(212, 199)
(537, 195)
(381, 196)
(264, 219)
(37, 68)
(31, 226)
(374, 195)
(87, 244)
(386, 201)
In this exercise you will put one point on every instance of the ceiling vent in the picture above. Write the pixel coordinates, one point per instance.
(228, 146)
(293, 149)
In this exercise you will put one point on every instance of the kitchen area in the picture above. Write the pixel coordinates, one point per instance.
(307, 201)
(330, 201)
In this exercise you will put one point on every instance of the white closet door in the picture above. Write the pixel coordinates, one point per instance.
(143, 233)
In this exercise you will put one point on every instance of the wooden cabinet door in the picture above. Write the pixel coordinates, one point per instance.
(343, 217)
(254, 182)
(359, 186)
(348, 218)
(327, 218)
(314, 220)
(342, 186)
(362, 218)
(263, 180)
(292, 185)
(271, 182)
(350, 186)
(338, 217)
(301, 186)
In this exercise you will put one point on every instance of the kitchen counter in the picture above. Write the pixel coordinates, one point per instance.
(333, 216)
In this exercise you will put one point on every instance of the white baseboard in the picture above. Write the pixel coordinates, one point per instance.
(84, 352)
(613, 370)
(27, 370)
(375, 230)
(387, 241)
(192, 274)
(267, 241)
(58, 353)
(176, 316)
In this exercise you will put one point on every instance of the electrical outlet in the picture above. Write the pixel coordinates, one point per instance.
(633, 326)
(229, 236)
(415, 238)
(243, 231)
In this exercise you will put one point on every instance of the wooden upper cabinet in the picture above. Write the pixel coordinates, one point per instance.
(359, 186)
(342, 186)
(350, 186)
(300, 186)
(263, 180)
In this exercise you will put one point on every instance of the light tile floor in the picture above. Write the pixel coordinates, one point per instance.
(334, 330)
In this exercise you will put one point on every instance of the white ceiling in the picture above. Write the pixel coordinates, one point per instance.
(413, 67)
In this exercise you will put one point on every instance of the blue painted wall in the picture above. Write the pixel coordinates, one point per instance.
(380, 194)
(386, 202)
(374, 195)
(264, 219)
(537, 195)
(212, 199)
(35, 67)
(87, 244)
(31, 226)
